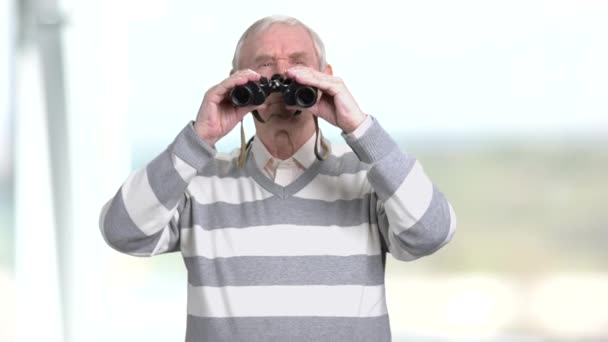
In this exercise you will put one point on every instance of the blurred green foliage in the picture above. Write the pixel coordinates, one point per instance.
(527, 207)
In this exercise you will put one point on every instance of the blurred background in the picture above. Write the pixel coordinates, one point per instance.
(505, 103)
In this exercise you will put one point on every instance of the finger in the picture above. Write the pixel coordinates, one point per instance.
(218, 92)
(242, 111)
(308, 76)
(239, 78)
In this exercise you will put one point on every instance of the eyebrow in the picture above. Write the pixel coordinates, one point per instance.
(295, 55)
(261, 58)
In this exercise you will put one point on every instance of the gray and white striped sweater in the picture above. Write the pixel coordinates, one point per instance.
(303, 262)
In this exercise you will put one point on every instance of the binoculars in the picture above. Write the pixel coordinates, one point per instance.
(255, 93)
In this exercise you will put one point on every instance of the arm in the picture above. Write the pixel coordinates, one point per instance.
(414, 217)
(142, 219)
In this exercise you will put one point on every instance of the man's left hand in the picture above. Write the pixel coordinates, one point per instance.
(336, 104)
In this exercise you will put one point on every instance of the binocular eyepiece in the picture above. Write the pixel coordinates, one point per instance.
(255, 93)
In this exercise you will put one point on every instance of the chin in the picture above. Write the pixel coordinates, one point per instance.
(285, 117)
(284, 120)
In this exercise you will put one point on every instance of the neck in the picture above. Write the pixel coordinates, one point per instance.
(283, 146)
(283, 141)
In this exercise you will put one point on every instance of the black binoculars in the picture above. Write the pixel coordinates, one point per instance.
(255, 93)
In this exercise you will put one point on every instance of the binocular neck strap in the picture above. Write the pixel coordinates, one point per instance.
(243, 146)
(257, 116)
(319, 137)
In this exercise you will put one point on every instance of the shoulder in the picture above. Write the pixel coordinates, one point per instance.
(224, 164)
(343, 160)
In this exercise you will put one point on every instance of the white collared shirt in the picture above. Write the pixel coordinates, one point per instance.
(284, 172)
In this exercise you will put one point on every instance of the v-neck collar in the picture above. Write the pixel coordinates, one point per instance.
(303, 156)
(276, 189)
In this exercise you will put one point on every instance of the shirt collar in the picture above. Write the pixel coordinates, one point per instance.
(305, 155)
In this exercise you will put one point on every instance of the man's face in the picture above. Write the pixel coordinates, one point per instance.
(273, 51)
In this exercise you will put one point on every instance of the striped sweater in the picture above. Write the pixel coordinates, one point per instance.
(303, 262)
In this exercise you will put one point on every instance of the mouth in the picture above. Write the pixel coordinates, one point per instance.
(276, 110)
(281, 115)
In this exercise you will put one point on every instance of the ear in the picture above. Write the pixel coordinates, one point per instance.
(231, 72)
(328, 69)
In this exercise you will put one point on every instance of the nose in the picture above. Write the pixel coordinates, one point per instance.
(281, 66)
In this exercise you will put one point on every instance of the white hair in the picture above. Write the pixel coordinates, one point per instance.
(266, 22)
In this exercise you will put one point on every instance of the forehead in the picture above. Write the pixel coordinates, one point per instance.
(277, 39)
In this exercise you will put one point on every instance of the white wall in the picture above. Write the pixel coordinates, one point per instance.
(424, 68)
(7, 281)
(136, 72)
(6, 42)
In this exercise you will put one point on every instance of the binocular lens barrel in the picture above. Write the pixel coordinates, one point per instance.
(305, 97)
(255, 93)
(241, 96)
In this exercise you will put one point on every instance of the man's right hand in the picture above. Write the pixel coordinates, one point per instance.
(217, 115)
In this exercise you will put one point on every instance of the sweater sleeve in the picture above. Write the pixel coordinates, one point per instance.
(414, 217)
(142, 219)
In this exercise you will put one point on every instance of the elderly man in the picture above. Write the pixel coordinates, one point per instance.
(284, 239)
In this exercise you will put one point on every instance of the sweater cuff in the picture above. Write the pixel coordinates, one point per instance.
(373, 145)
(189, 147)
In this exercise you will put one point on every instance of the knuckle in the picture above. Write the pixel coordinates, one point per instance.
(208, 93)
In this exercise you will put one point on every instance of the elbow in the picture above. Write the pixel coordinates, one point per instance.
(120, 233)
(131, 244)
(433, 231)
